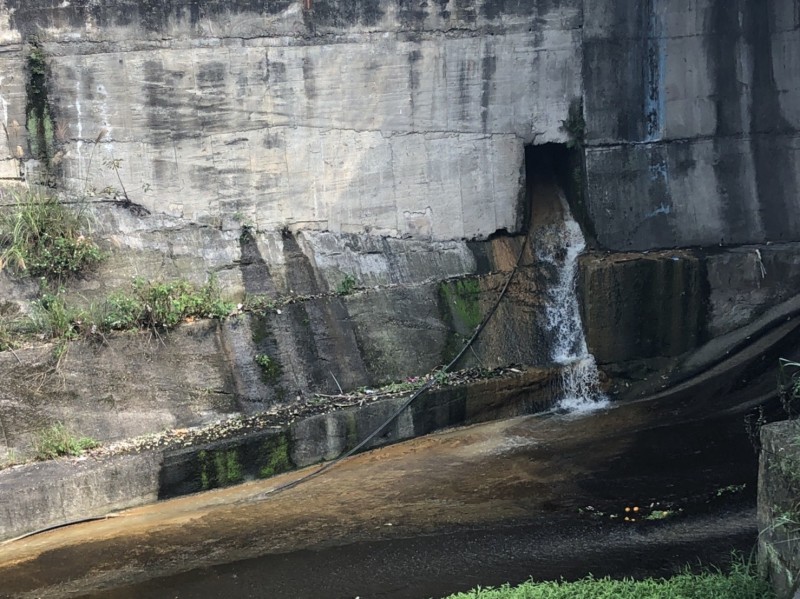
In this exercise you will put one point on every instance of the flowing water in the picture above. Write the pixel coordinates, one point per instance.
(560, 247)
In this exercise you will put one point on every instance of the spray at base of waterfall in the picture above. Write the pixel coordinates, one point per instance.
(580, 386)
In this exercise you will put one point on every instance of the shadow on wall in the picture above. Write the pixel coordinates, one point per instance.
(564, 166)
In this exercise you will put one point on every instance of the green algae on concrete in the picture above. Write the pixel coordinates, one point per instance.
(462, 297)
(460, 308)
(220, 468)
(275, 456)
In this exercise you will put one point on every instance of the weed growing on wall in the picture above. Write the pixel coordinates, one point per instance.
(346, 286)
(57, 440)
(258, 303)
(52, 317)
(8, 325)
(153, 305)
(6, 336)
(42, 237)
(789, 387)
(270, 368)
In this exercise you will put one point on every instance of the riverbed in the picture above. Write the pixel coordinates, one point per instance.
(542, 496)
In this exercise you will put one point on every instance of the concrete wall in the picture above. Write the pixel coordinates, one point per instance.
(402, 321)
(693, 113)
(383, 135)
(641, 305)
(350, 117)
(778, 507)
(409, 118)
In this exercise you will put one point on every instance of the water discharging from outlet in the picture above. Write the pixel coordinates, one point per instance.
(560, 246)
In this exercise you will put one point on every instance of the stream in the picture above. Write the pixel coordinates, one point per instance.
(540, 496)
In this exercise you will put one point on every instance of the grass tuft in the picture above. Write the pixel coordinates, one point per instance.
(163, 305)
(740, 583)
(42, 237)
(57, 440)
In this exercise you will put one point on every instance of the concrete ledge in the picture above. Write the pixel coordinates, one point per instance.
(61, 491)
(779, 507)
(54, 493)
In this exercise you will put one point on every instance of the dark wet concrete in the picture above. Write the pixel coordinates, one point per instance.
(482, 504)
(440, 564)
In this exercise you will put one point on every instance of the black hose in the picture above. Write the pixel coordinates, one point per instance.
(418, 393)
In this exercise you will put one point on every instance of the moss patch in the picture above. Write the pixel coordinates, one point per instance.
(39, 121)
(352, 430)
(220, 468)
(275, 456)
(462, 298)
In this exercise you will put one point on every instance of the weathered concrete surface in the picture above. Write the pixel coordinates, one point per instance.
(40, 495)
(381, 135)
(284, 149)
(404, 119)
(744, 282)
(401, 123)
(129, 386)
(59, 491)
(641, 305)
(412, 323)
(692, 121)
(779, 507)
(638, 306)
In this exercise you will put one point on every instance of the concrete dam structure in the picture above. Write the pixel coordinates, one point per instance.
(375, 176)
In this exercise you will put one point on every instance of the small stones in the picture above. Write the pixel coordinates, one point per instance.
(286, 415)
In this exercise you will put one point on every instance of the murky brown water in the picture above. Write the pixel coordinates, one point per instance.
(479, 505)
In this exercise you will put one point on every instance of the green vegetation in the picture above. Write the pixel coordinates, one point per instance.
(219, 468)
(258, 303)
(42, 237)
(41, 129)
(275, 456)
(149, 305)
(575, 125)
(11, 458)
(52, 317)
(7, 316)
(6, 336)
(346, 286)
(789, 387)
(462, 297)
(153, 305)
(401, 387)
(741, 583)
(270, 368)
(57, 440)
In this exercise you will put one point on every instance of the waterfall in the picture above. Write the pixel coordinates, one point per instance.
(560, 245)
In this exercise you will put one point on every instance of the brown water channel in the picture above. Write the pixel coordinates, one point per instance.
(480, 505)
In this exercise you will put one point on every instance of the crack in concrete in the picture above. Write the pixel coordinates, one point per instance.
(791, 134)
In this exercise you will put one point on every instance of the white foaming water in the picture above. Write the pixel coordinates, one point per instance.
(560, 246)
